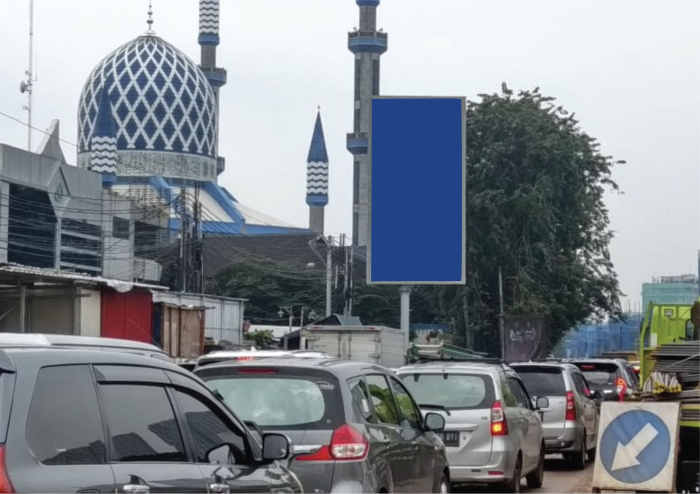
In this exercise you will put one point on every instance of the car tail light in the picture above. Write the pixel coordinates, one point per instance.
(499, 425)
(570, 406)
(588, 367)
(347, 443)
(5, 484)
(257, 370)
(240, 359)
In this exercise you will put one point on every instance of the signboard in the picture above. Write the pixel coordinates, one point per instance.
(417, 204)
(525, 338)
(637, 447)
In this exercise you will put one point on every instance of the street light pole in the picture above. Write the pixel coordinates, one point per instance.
(329, 276)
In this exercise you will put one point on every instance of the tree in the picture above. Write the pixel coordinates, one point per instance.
(535, 186)
(261, 338)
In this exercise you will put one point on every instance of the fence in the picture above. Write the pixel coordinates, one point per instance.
(592, 340)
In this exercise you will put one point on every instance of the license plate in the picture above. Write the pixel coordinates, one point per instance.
(450, 438)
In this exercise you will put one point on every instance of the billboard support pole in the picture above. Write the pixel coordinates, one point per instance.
(501, 315)
(405, 292)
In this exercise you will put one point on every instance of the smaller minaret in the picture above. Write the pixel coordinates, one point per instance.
(317, 178)
(104, 141)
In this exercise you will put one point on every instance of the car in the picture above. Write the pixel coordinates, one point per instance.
(355, 427)
(493, 432)
(88, 420)
(611, 377)
(571, 425)
(242, 355)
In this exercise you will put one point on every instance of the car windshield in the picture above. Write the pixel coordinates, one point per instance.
(452, 391)
(541, 381)
(600, 374)
(281, 401)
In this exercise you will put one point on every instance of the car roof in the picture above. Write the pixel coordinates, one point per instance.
(598, 361)
(552, 364)
(343, 369)
(467, 366)
(41, 340)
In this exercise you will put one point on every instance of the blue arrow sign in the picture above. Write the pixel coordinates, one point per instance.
(635, 447)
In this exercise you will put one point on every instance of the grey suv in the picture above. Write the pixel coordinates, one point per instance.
(88, 420)
(571, 425)
(355, 427)
(493, 431)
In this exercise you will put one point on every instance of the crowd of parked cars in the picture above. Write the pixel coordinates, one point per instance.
(101, 415)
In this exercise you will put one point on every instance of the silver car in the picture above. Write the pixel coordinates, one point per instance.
(493, 432)
(571, 425)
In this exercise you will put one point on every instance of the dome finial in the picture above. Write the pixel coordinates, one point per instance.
(149, 21)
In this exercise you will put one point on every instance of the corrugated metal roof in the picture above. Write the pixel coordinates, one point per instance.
(53, 274)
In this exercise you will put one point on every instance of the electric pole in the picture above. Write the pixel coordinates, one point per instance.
(183, 243)
(329, 276)
(501, 315)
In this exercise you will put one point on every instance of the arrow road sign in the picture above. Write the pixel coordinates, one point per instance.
(635, 446)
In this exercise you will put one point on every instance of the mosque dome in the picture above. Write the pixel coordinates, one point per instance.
(163, 111)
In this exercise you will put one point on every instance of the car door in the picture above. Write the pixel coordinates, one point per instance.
(56, 440)
(145, 445)
(209, 429)
(534, 429)
(592, 411)
(387, 433)
(425, 450)
(583, 393)
(522, 420)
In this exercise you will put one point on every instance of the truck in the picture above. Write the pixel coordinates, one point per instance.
(378, 345)
(669, 358)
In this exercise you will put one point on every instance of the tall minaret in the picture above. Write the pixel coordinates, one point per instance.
(209, 40)
(317, 178)
(367, 44)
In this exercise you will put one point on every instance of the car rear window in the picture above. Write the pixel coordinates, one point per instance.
(602, 374)
(452, 391)
(274, 398)
(542, 381)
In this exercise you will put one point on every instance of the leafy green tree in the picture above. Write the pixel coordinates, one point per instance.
(535, 190)
(262, 338)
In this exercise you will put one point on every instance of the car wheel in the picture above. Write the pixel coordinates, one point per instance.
(591, 454)
(535, 479)
(579, 459)
(514, 484)
(444, 487)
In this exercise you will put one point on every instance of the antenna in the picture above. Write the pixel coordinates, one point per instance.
(27, 86)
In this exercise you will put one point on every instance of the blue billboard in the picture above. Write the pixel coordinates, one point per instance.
(417, 191)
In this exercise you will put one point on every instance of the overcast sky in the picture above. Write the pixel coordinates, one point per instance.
(630, 69)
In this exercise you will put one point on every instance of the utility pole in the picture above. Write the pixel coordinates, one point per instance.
(28, 85)
(183, 232)
(501, 315)
(346, 299)
(405, 292)
(329, 275)
(198, 247)
(351, 278)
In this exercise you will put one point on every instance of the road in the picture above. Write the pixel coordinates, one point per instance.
(558, 478)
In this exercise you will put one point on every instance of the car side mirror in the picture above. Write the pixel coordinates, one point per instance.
(220, 455)
(542, 403)
(434, 422)
(276, 447)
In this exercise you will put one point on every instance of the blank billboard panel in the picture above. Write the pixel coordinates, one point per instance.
(417, 193)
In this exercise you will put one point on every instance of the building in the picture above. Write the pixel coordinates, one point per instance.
(148, 123)
(367, 44)
(681, 289)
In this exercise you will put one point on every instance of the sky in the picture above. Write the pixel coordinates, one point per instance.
(630, 69)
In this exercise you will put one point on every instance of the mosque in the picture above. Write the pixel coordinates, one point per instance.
(148, 122)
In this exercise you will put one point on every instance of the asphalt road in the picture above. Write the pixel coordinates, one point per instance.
(558, 478)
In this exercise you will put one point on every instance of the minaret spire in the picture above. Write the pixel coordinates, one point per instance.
(149, 20)
(367, 45)
(209, 40)
(317, 177)
(104, 141)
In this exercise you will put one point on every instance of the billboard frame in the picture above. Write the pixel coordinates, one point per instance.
(463, 279)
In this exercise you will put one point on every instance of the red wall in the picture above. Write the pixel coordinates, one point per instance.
(127, 315)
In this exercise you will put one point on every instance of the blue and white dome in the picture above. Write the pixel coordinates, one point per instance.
(163, 107)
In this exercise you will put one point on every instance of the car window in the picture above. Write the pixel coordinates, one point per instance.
(580, 384)
(208, 430)
(410, 417)
(601, 374)
(280, 398)
(141, 424)
(527, 399)
(542, 381)
(508, 396)
(382, 400)
(360, 400)
(64, 426)
(520, 397)
(453, 391)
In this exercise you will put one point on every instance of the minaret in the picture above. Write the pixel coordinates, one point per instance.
(209, 40)
(367, 44)
(317, 178)
(104, 140)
